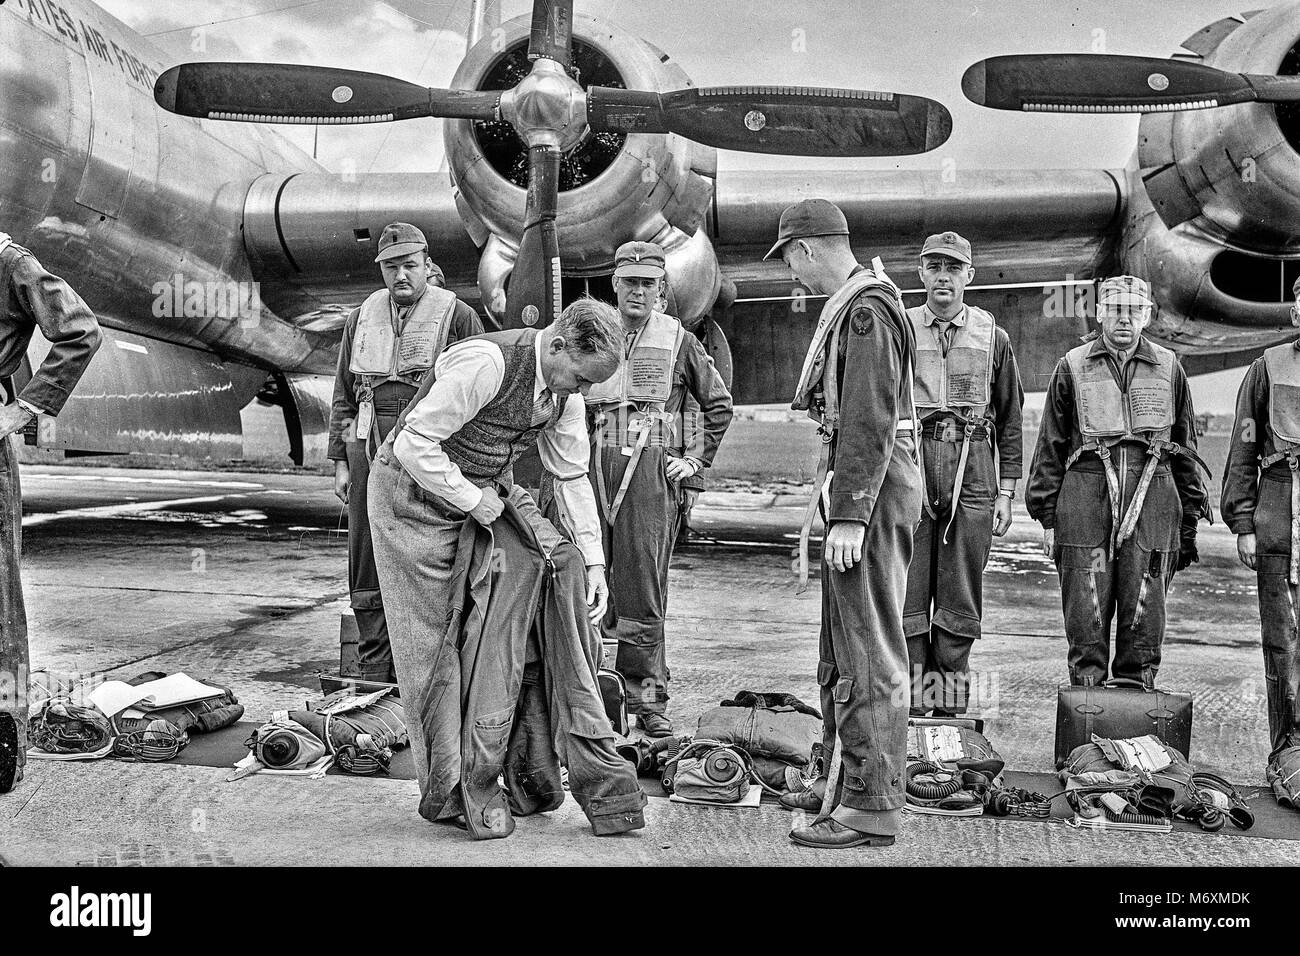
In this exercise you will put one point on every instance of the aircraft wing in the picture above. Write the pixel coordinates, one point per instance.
(1029, 229)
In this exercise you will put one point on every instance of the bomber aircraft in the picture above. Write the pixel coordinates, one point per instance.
(222, 259)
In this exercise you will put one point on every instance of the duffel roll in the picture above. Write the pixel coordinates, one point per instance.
(1120, 709)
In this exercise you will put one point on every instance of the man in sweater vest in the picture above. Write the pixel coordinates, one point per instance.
(1261, 505)
(857, 384)
(968, 395)
(644, 445)
(30, 298)
(1116, 484)
(388, 345)
(450, 459)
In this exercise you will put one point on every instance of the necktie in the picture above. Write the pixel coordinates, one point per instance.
(543, 408)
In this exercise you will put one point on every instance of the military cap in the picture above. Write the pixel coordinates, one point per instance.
(644, 260)
(1295, 289)
(948, 244)
(812, 217)
(400, 239)
(1124, 290)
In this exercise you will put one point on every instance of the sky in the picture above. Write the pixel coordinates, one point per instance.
(897, 45)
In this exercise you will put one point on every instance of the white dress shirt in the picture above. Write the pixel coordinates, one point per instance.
(469, 374)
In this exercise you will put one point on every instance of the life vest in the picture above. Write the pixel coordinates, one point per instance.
(1105, 414)
(380, 353)
(1283, 364)
(645, 376)
(962, 379)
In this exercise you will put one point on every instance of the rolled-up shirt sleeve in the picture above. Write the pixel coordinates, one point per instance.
(565, 451)
(467, 377)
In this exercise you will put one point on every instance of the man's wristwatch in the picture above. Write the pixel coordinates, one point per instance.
(1004, 493)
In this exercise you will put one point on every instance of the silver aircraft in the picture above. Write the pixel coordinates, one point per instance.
(222, 259)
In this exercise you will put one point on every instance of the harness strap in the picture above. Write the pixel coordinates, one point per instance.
(829, 425)
(960, 477)
(1294, 570)
(1154, 452)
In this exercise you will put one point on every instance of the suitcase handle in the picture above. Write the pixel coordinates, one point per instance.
(1129, 683)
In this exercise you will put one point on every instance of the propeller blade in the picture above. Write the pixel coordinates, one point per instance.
(1103, 83)
(533, 296)
(552, 31)
(796, 121)
(286, 93)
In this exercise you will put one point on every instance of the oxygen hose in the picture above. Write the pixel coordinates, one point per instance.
(926, 790)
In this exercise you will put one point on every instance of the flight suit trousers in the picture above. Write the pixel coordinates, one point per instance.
(1129, 588)
(15, 664)
(639, 546)
(862, 666)
(1277, 609)
(945, 582)
(416, 538)
(374, 655)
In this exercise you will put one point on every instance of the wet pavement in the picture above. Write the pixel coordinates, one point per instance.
(241, 578)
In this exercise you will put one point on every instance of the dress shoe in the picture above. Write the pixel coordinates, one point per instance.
(8, 752)
(831, 835)
(655, 725)
(809, 801)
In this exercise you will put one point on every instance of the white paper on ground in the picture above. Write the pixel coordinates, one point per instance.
(114, 696)
(249, 765)
(36, 753)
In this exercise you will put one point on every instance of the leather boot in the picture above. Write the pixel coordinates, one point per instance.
(809, 801)
(829, 834)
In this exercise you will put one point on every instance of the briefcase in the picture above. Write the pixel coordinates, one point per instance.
(1117, 709)
(613, 691)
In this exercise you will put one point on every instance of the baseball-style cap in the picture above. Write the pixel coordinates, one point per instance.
(812, 217)
(947, 244)
(400, 239)
(644, 260)
(437, 277)
(1295, 289)
(1124, 290)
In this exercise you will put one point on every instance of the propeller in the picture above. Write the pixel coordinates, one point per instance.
(552, 114)
(1105, 83)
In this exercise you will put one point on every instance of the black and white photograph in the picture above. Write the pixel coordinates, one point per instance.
(538, 433)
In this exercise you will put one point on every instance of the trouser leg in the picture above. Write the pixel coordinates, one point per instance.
(532, 774)
(374, 653)
(15, 665)
(639, 548)
(1144, 569)
(949, 689)
(867, 686)
(415, 548)
(917, 603)
(1083, 523)
(602, 782)
(1279, 621)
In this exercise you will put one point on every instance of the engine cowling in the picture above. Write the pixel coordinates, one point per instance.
(1233, 172)
(613, 187)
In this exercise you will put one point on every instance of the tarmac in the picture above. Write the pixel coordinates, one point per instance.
(240, 577)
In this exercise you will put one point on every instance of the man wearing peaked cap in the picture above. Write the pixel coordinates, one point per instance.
(1260, 500)
(1116, 484)
(644, 447)
(969, 398)
(856, 383)
(389, 343)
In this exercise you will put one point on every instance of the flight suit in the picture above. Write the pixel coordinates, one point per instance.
(32, 298)
(968, 395)
(387, 384)
(1115, 561)
(1258, 494)
(637, 421)
(876, 482)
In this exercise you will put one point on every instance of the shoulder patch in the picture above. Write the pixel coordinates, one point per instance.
(862, 319)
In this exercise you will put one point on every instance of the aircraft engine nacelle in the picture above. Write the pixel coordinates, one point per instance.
(1233, 172)
(613, 187)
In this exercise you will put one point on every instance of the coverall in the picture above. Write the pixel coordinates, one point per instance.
(945, 581)
(1127, 586)
(375, 658)
(33, 298)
